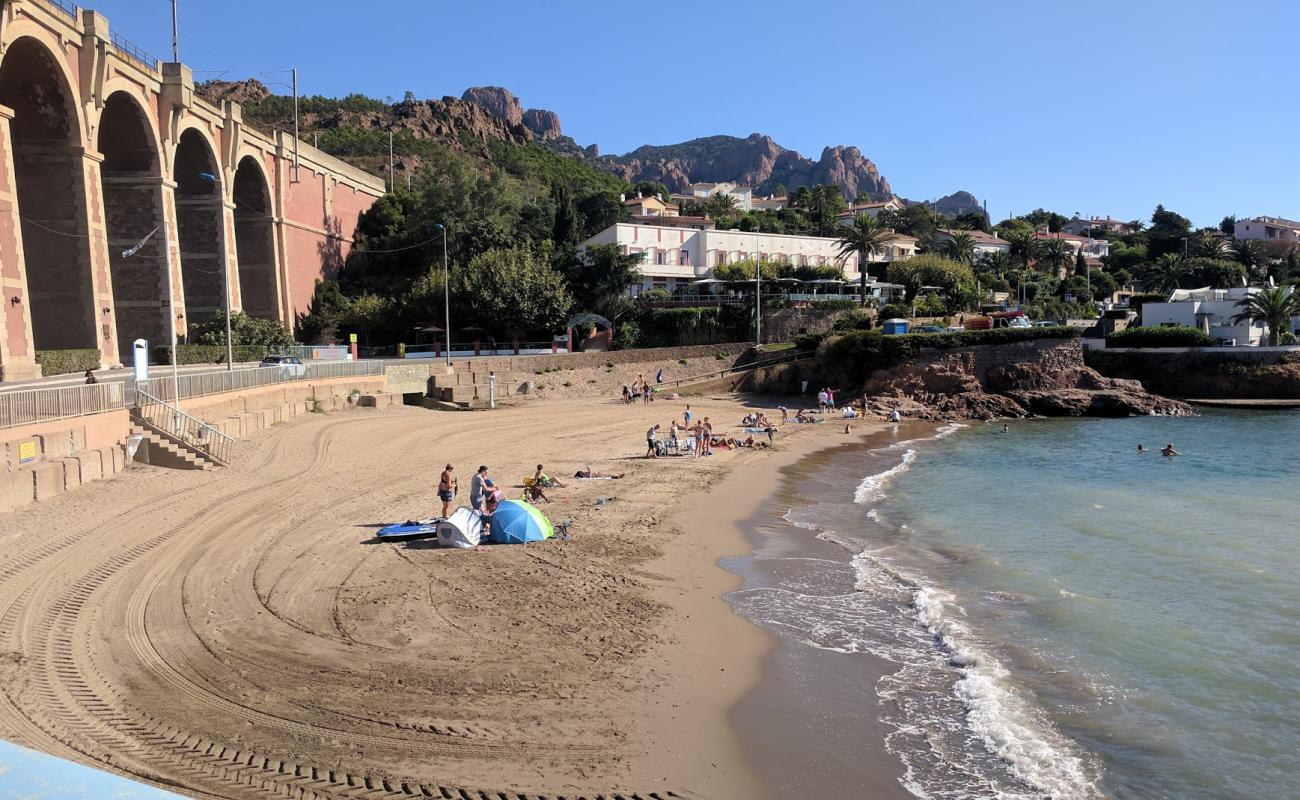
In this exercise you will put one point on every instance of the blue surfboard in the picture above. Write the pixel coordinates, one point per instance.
(411, 529)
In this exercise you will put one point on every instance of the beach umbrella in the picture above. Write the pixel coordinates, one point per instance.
(516, 521)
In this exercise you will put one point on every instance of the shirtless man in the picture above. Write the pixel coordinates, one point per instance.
(1169, 450)
(446, 489)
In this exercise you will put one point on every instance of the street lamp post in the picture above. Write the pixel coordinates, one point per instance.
(225, 259)
(446, 292)
(758, 291)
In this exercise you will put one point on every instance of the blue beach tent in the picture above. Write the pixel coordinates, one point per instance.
(515, 522)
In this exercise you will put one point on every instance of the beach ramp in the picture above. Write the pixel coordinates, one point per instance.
(516, 522)
(464, 528)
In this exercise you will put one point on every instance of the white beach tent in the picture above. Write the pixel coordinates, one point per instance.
(464, 528)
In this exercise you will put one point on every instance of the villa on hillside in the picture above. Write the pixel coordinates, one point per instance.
(1082, 227)
(1091, 248)
(1268, 228)
(652, 210)
(743, 195)
(675, 255)
(1211, 311)
(871, 209)
(985, 243)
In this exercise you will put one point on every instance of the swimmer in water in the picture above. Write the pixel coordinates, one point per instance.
(1005, 429)
(1169, 450)
(1142, 449)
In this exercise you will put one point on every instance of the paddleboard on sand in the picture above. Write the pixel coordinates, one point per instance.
(411, 529)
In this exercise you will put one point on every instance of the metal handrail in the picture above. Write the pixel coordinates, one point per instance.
(124, 46)
(191, 431)
(69, 9)
(201, 384)
(797, 355)
(27, 406)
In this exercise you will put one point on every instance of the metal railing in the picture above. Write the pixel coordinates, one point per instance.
(192, 432)
(69, 9)
(126, 48)
(202, 384)
(27, 406)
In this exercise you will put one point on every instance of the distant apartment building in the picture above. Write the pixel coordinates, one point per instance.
(1083, 227)
(675, 255)
(653, 210)
(1211, 311)
(985, 243)
(1268, 229)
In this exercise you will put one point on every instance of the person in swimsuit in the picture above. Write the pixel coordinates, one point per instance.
(446, 489)
(477, 488)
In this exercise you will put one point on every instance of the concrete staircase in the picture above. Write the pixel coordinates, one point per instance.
(161, 450)
(465, 388)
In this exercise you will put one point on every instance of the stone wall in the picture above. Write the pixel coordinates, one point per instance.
(1243, 373)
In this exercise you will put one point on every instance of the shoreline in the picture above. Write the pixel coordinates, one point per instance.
(720, 654)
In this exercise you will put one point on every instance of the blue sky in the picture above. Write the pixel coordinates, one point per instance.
(1099, 107)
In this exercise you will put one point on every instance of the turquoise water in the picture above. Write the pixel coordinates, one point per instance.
(1147, 605)
(1064, 617)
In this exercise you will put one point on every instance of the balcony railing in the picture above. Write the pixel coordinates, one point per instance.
(202, 384)
(194, 433)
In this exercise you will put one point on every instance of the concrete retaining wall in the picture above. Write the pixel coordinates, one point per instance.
(67, 453)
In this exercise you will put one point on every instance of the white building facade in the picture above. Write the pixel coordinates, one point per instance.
(674, 255)
(1210, 310)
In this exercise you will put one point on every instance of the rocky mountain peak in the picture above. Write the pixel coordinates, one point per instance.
(499, 101)
(242, 92)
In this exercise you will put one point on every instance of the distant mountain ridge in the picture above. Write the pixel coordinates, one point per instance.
(483, 114)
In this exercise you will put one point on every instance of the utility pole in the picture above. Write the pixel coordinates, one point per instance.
(446, 293)
(392, 187)
(176, 39)
(758, 291)
(294, 71)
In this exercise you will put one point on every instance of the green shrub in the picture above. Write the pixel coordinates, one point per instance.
(207, 354)
(626, 337)
(64, 362)
(1286, 338)
(894, 311)
(857, 320)
(1168, 336)
(243, 330)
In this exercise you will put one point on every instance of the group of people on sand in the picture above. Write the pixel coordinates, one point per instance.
(485, 494)
(641, 389)
(697, 436)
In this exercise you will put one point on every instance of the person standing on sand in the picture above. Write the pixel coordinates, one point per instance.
(708, 436)
(687, 415)
(699, 439)
(477, 488)
(821, 402)
(672, 434)
(650, 442)
(446, 489)
(785, 414)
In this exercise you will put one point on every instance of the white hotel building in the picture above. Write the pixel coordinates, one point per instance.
(678, 250)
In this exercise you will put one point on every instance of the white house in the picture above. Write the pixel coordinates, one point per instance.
(1210, 310)
(675, 255)
(1091, 248)
(743, 195)
(1266, 228)
(871, 209)
(985, 243)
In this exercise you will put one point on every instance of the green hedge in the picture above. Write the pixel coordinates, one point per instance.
(671, 327)
(207, 353)
(63, 362)
(1165, 336)
(857, 354)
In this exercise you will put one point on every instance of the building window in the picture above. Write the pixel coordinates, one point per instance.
(722, 257)
(661, 258)
(686, 258)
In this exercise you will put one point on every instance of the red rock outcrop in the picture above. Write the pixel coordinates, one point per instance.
(1041, 378)
(498, 101)
(544, 124)
(242, 92)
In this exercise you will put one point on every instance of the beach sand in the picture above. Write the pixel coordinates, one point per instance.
(238, 633)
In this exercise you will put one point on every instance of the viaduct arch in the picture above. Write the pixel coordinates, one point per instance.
(99, 146)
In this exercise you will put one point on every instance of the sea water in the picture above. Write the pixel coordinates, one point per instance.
(1062, 616)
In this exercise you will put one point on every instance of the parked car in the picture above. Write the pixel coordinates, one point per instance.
(1048, 323)
(290, 366)
(928, 329)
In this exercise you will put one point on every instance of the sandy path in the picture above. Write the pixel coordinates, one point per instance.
(233, 634)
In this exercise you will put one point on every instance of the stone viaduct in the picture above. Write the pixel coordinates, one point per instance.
(99, 145)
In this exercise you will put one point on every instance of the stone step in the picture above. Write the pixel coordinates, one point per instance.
(160, 452)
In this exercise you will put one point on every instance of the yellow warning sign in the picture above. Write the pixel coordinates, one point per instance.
(26, 451)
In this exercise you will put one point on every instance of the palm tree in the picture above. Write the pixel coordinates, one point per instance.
(1136, 226)
(866, 237)
(1164, 274)
(1249, 254)
(1274, 307)
(998, 262)
(1025, 247)
(720, 206)
(1056, 255)
(1210, 246)
(959, 246)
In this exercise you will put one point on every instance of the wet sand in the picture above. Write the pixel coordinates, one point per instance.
(238, 633)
